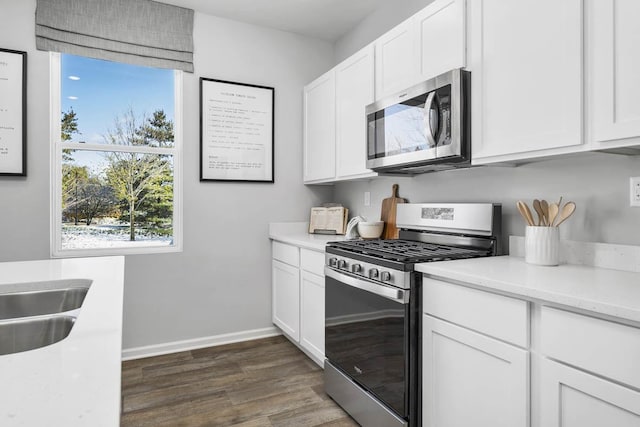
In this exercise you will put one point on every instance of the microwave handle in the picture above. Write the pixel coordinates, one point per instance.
(427, 106)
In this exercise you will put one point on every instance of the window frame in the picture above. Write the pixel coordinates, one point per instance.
(57, 145)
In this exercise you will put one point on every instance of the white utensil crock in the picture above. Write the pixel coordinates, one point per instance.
(541, 245)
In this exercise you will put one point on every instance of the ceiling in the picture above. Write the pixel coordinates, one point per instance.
(324, 19)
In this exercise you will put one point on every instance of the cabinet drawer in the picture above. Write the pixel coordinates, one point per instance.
(286, 253)
(494, 315)
(312, 261)
(605, 348)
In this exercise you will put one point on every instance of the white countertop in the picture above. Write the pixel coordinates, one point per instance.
(74, 382)
(297, 234)
(604, 291)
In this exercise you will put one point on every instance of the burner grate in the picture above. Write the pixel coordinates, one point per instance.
(408, 250)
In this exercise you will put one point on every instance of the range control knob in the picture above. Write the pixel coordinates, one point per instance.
(333, 262)
(385, 276)
(342, 264)
(356, 268)
(373, 273)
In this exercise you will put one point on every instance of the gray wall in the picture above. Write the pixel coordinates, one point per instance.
(598, 183)
(387, 16)
(220, 283)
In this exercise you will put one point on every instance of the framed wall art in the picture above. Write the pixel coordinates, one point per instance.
(236, 131)
(13, 112)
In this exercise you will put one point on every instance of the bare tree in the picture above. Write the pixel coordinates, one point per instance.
(132, 175)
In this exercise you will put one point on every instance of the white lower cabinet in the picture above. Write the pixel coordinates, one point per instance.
(470, 379)
(573, 370)
(312, 314)
(297, 283)
(573, 398)
(285, 282)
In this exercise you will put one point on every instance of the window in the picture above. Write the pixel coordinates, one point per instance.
(116, 157)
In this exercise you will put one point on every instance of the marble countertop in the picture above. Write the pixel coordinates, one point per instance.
(297, 234)
(76, 381)
(600, 290)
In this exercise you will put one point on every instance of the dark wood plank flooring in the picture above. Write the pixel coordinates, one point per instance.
(267, 382)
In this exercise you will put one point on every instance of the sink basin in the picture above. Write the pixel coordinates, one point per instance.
(36, 303)
(28, 334)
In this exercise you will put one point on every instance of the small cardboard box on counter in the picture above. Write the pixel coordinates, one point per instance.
(328, 220)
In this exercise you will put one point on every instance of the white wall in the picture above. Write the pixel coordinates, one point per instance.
(384, 18)
(598, 183)
(221, 282)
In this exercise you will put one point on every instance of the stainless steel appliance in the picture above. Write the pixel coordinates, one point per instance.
(424, 128)
(373, 307)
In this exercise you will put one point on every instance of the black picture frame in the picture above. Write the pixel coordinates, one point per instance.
(13, 136)
(233, 137)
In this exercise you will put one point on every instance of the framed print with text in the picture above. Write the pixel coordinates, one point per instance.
(236, 131)
(13, 112)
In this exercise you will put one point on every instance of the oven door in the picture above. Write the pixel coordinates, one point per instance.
(367, 336)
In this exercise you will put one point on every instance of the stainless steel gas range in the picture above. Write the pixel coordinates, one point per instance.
(373, 304)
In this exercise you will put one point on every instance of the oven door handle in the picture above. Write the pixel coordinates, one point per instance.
(398, 295)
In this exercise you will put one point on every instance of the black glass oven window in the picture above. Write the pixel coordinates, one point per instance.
(366, 337)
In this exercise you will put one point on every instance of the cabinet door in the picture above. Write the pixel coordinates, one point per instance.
(440, 28)
(285, 282)
(396, 63)
(614, 36)
(312, 314)
(354, 91)
(572, 398)
(320, 129)
(526, 70)
(472, 380)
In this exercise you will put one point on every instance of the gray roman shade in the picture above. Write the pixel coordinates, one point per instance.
(140, 32)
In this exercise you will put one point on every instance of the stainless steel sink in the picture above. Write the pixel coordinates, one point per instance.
(28, 334)
(36, 303)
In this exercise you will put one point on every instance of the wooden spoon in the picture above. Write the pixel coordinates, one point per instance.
(545, 211)
(553, 212)
(538, 208)
(525, 212)
(567, 210)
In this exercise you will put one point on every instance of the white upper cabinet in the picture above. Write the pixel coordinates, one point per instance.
(354, 91)
(430, 43)
(396, 62)
(614, 66)
(320, 128)
(440, 29)
(526, 61)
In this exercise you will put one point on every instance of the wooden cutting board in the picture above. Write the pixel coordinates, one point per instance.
(388, 214)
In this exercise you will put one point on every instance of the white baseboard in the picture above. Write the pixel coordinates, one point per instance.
(193, 344)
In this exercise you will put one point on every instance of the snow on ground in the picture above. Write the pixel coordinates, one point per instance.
(108, 236)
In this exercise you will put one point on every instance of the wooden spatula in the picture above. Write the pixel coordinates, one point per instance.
(388, 214)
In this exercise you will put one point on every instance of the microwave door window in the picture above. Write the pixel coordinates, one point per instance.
(405, 128)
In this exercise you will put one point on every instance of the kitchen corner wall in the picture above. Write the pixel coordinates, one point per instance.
(221, 282)
(598, 183)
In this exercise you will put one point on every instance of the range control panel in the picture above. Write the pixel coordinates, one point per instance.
(370, 271)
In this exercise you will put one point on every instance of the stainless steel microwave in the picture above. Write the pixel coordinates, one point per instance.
(421, 129)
